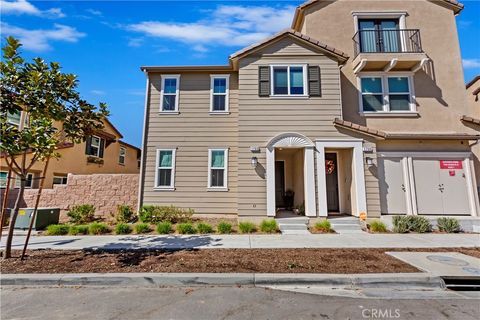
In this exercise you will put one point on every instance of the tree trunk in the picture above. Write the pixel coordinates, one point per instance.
(13, 219)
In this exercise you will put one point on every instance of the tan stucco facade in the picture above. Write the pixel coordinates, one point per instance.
(473, 100)
(74, 160)
(301, 130)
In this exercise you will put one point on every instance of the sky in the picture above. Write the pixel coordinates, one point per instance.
(106, 42)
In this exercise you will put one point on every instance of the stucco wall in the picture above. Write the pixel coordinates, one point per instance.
(104, 191)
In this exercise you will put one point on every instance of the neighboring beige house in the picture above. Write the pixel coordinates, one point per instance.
(472, 119)
(350, 111)
(103, 152)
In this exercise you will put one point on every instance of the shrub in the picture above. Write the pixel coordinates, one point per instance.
(450, 225)
(269, 226)
(83, 213)
(403, 224)
(186, 228)
(98, 228)
(123, 228)
(78, 229)
(172, 214)
(57, 229)
(247, 227)
(125, 214)
(142, 228)
(224, 228)
(323, 226)
(377, 226)
(164, 227)
(204, 228)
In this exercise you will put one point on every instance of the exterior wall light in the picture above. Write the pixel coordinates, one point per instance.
(254, 162)
(369, 161)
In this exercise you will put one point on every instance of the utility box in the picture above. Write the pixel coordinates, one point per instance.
(45, 217)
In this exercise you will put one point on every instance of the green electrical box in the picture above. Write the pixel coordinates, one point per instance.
(45, 217)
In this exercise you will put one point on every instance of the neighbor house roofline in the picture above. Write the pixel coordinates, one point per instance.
(381, 135)
(299, 11)
(470, 120)
(172, 69)
(113, 127)
(129, 145)
(472, 82)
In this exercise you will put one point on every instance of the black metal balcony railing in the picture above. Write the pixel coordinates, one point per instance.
(385, 41)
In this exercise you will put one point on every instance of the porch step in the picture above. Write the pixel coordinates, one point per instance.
(293, 225)
(346, 225)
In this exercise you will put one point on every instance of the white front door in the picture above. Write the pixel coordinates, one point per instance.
(392, 186)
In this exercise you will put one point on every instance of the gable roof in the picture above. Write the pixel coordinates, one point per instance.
(340, 55)
(298, 17)
(472, 82)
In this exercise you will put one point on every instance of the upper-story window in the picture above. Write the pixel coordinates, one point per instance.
(289, 80)
(95, 146)
(15, 118)
(169, 93)
(121, 155)
(387, 93)
(219, 90)
(379, 35)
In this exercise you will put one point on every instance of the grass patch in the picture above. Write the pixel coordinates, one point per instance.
(142, 228)
(78, 229)
(98, 228)
(247, 227)
(186, 228)
(269, 226)
(164, 227)
(123, 228)
(377, 226)
(224, 228)
(57, 229)
(203, 227)
(324, 226)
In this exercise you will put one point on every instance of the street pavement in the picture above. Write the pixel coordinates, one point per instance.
(238, 302)
(357, 240)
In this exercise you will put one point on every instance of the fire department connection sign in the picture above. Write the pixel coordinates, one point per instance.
(451, 164)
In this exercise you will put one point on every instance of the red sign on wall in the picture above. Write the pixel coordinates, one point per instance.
(451, 164)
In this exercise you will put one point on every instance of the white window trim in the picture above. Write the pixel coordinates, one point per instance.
(177, 92)
(6, 178)
(124, 156)
(227, 93)
(98, 147)
(385, 92)
(60, 177)
(171, 187)
(305, 81)
(225, 168)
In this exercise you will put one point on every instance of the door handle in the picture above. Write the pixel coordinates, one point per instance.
(403, 187)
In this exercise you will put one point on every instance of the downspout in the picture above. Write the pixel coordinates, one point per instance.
(340, 89)
(144, 145)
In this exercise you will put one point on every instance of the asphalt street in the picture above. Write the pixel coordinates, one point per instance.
(231, 303)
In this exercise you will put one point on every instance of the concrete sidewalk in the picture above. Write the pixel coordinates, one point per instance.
(364, 240)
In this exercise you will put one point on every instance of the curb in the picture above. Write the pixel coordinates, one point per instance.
(351, 281)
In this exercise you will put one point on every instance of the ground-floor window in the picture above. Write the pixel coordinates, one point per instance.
(59, 180)
(17, 182)
(217, 168)
(165, 171)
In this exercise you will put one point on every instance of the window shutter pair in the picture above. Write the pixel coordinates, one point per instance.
(102, 146)
(314, 87)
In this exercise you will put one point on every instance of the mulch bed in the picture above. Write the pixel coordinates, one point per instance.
(216, 260)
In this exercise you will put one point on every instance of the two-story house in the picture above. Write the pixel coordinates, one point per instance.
(472, 119)
(102, 152)
(355, 109)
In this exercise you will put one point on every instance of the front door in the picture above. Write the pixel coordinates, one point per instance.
(331, 173)
(279, 183)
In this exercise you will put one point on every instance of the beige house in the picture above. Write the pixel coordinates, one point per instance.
(103, 152)
(355, 109)
(472, 118)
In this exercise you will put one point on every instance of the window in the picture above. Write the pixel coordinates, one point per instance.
(14, 118)
(387, 93)
(17, 182)
(217, 168)
(219, 93)
(121, 155)
(95, 146)
(165, 173)
(169, 93)
(59, 180)
(379, 35)
(289, 80)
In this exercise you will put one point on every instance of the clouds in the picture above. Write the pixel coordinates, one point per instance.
(224, 26)
(39, 39)
(471, 63)
(20, 7)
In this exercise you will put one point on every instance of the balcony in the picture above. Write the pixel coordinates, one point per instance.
(388, 50)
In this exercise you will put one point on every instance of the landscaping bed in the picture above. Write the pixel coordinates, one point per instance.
(216, 260)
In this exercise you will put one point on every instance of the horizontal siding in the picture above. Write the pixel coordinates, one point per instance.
(192, 132)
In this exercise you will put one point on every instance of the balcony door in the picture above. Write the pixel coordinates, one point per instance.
(379, 35)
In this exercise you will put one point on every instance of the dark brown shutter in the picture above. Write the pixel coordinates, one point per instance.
(88, 141)
(314, 88)
(102, 146)
(264, 81)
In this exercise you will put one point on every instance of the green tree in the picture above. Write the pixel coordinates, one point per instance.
(52, 113)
